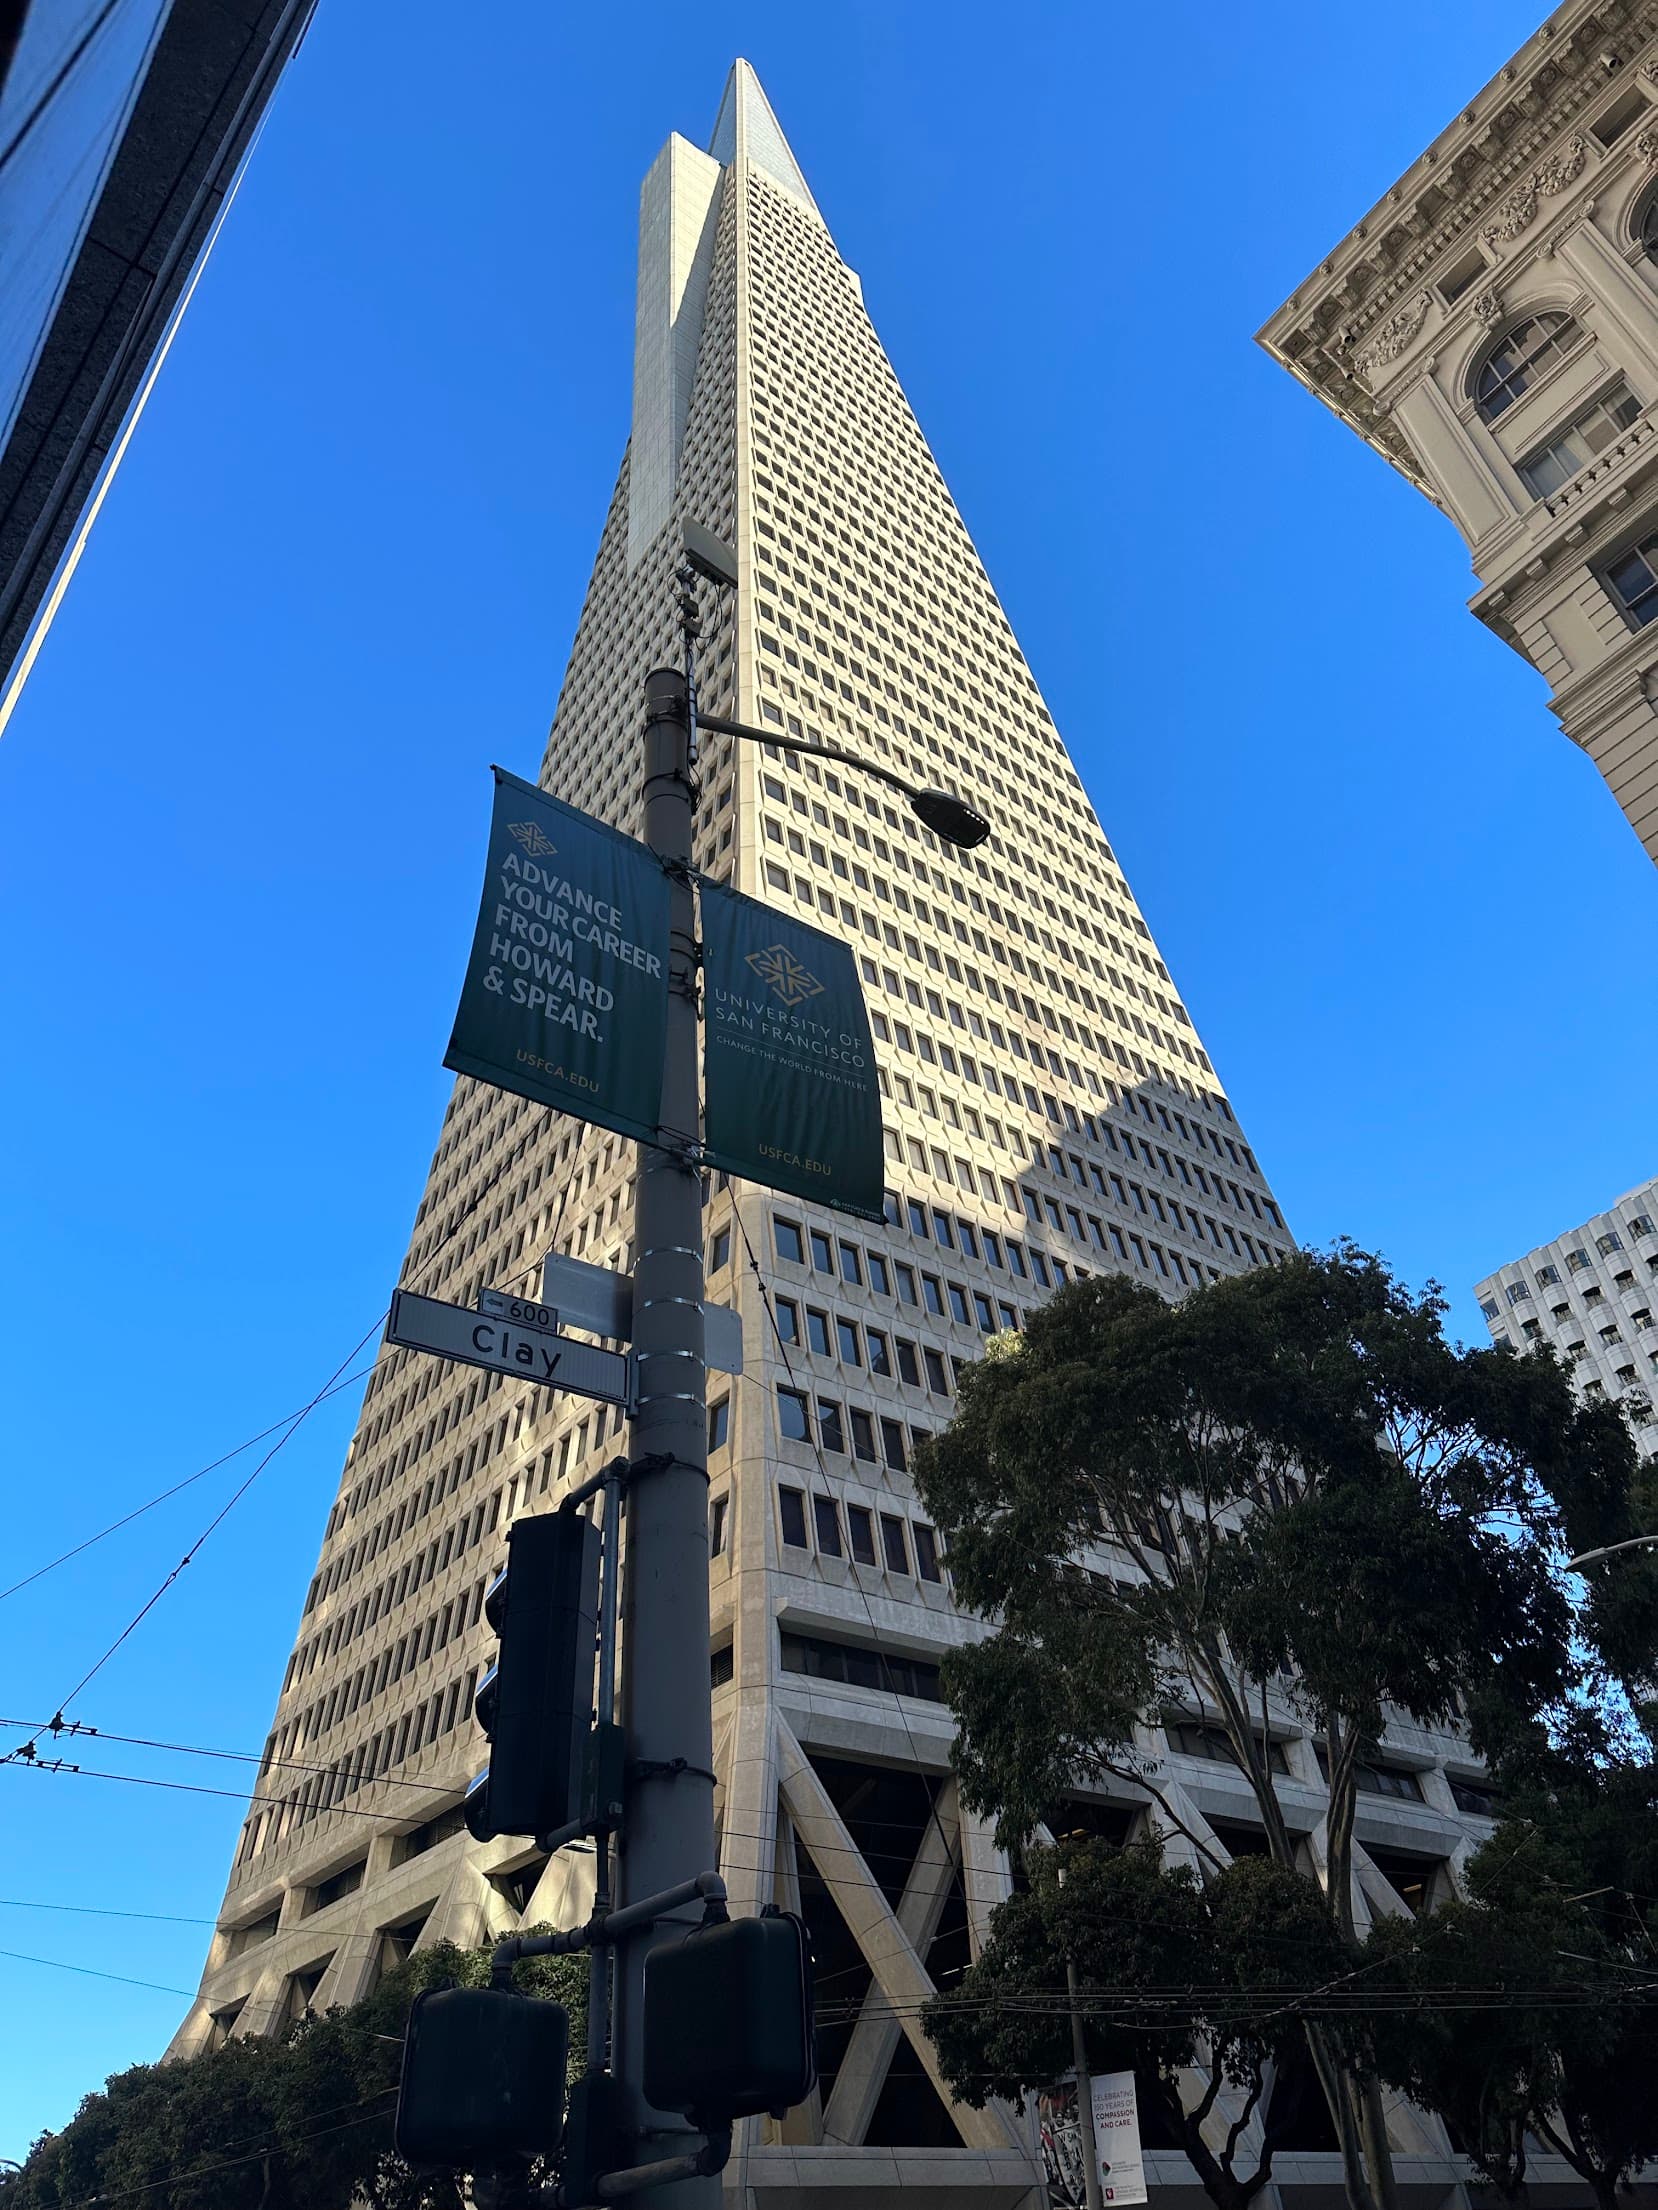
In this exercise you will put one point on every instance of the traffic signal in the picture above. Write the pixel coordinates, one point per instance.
(483, 2078)
(728, 2019)
(536, 1701)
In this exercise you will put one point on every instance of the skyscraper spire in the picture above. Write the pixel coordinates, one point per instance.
(747, 130)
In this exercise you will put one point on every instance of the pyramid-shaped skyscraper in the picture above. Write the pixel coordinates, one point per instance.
(1050, 1112)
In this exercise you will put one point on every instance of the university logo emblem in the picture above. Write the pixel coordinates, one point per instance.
(783, 974)
(532, 839)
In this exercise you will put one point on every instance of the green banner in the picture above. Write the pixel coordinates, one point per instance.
(790, 1096)
(566, 992)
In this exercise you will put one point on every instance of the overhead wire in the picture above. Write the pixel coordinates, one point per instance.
(290, 1428)
(189, 1481)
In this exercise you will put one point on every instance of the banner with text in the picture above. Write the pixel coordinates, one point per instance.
(566, 992)
(790, 1096)
(1122, 2171)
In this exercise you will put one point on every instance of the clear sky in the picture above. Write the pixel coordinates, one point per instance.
(242, 803)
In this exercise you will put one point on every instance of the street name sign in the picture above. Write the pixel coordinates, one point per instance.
(505, 1346)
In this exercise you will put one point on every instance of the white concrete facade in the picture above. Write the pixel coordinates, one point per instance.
(1491, 327)
(1593, 1294)
(1050, 1112)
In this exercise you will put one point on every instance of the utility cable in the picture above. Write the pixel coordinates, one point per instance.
(99, 1910)
(330, 1387)
(189, 1480)
(91, 1972)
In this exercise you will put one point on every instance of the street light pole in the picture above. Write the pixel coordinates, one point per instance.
(668, 1838)
(669, 1835)
(1085, 2085)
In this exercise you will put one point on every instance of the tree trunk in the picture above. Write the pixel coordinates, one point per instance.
(1378, 2150)
(1338, 2086)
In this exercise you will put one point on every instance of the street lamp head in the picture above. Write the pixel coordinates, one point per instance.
(950, 817)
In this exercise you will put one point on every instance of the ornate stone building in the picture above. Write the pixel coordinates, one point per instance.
(1050, 1112)
(1491, 328)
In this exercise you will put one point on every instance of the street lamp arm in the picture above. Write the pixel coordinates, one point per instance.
(948, 816)
(1610, 1550)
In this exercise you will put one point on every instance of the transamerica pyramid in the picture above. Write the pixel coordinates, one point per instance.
(1050, 1113)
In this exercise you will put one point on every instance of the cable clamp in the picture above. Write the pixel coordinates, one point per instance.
(669, 1768)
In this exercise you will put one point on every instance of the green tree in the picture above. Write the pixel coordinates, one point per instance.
(300, 2120)
(1536, 2000)
(1325, 1502)
(1241, 1947)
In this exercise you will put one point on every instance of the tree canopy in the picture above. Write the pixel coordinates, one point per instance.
(300, 2120)
(1286, 1498)
(1176, 1977)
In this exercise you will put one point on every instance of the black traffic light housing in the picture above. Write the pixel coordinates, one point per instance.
(483, 2078)
(729, 2019)
(536, 1702)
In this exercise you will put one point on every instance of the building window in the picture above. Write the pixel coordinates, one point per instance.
(1576, 1261)
(721, 1666)
(719, 1256)
(851, 1265)
(1214, 1744)
(1546, 1275)
(926, 1552)
(892, 1445)
(1574, 447)
(792, 1505)
(792, 1417)
(827, 1521)
(1647, 230)
(846, 1338)
(860, 1666)
(719, 1424)
(823, 1257)
(1519, 357)
(817, 1331)
(786, 1234)
(894, 1546)
(1608, 1243)
(1490, 1307)
(1633, 582)
(831, 1430)
(1474, 1797)
(717, 1516)
(1372, 1779)
(788, 1318)
(863, 1437)
(860, 1529)
(1518, 1293)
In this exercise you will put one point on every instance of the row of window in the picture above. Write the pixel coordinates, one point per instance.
(818, 1523)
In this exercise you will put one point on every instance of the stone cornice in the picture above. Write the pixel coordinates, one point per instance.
(1492, 171)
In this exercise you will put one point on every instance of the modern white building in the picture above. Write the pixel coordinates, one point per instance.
(1051, 1111)
(1490, 326)
(1593, 1294)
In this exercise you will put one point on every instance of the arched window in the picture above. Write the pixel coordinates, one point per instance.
(1646, 230)
(1519, 357)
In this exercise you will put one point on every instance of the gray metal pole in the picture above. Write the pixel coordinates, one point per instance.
(669, 1834)
(1085, 2097)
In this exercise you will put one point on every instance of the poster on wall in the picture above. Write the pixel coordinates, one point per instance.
(565, 998)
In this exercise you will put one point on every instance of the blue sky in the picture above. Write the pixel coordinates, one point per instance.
(242, 803)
